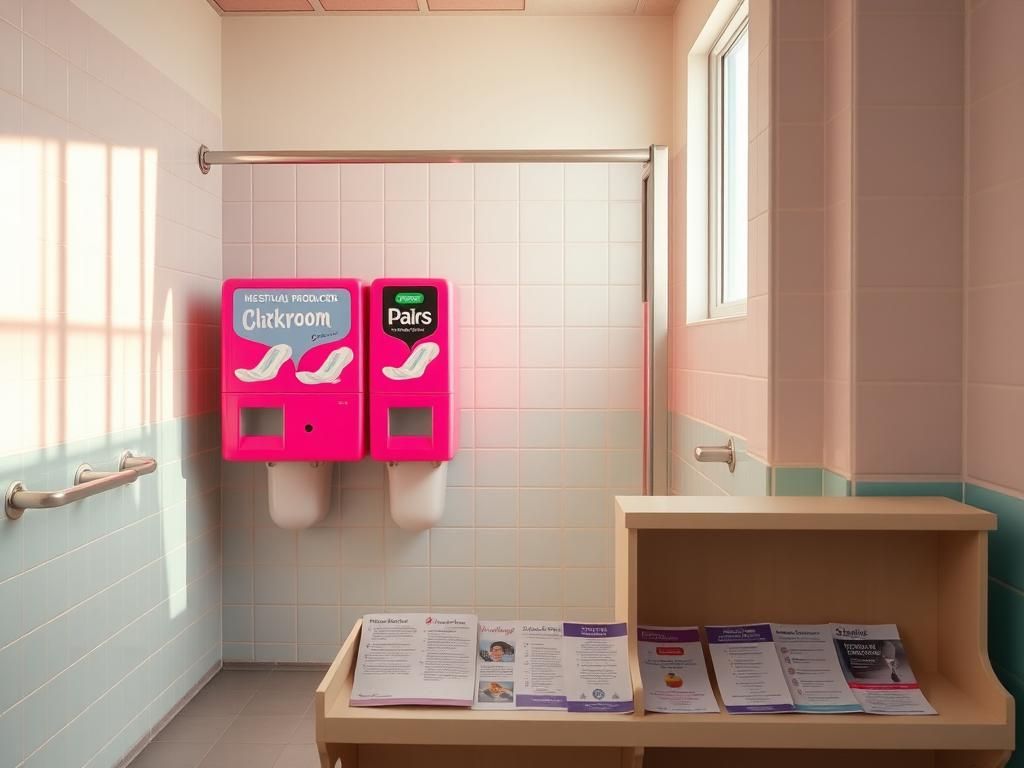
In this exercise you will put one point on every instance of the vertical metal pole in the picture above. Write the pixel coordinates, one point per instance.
(655, 320)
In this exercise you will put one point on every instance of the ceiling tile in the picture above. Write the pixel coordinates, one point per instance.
(581, 7)
(249, 6)
(657, 7)
(369, 5)
(476, 5)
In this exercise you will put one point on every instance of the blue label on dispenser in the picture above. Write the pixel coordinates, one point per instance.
(301, 318)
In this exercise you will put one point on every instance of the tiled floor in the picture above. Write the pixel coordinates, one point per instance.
(250, 719)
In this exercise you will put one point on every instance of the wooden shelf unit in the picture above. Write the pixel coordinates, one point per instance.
(921, 563)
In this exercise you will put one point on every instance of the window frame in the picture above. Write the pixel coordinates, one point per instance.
(737, 26)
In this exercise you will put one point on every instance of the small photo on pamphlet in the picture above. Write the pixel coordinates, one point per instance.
(876, 661)
(497, 651)
(491, 691)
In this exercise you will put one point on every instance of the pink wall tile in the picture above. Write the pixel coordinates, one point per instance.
(800, 19)
(910, 151)
(1000, 59)
(908, 429)
(837, 335)
(801, 81)
(800, 342)
(992, 435)
(909, 336)
(799, 414)
(800, 149)
(915, 60)
(996, 234)
(995, 320)
(836, 422)
(996, 124)
(914, 241)
(273, 182)
(801, 243)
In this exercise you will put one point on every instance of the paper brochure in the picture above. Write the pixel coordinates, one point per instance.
(812, 670)
(876, 668)
(747, 667)
(596, 668)
(519, 665)
(416, 658)
(672, 667)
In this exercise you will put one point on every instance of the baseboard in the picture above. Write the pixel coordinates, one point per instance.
(152, 733)
(292, 666)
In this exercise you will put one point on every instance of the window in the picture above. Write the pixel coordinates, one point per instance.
(727, 169)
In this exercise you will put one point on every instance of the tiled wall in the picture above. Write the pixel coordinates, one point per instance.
(109, 608)
(547, 260)
(908, 75)
(837, 262)
(797, 177)
(994, 376)
(719, 370)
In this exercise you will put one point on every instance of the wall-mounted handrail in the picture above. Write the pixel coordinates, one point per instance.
(87, 482)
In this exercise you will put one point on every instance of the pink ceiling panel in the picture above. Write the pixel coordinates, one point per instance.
(250, 6)
(369, 5)
(476, 5)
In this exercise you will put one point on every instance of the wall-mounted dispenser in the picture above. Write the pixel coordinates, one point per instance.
(292, 392)
(413, 412)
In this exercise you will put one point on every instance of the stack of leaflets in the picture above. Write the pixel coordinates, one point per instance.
(454, 660)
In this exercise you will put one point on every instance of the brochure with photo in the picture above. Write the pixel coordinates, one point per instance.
(673, 670)
(519, 665)
(877, 671)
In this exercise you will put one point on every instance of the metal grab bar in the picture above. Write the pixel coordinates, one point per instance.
(726, 454)
(88, 482)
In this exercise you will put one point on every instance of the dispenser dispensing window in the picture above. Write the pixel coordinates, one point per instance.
(262, 422)
(410, 422)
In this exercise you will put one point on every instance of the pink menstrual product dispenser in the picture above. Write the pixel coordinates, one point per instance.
(292, 370)
(413, 411)
(412, 370)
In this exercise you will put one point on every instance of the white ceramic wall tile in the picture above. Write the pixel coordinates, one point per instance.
(406, 221)
(586, 181)
(540, 221)
(549, 387)
(318, 222)
(451, 222)
(541, 181)
(409, 181)
(273, 182)
(451, 181)
(362, 182)
(496, 264)
(497, 222)
(362, 222)
(496, 181)
(586, 221)
(316, 182)
(540, 263)
(586, 264)
(273, 222)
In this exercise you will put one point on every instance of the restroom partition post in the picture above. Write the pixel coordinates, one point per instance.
(654, 281)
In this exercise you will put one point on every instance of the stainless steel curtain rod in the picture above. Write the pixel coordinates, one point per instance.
(210, 157)
(87, 482)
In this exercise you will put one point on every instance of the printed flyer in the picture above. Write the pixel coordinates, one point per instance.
(674, 674)
(812, 670)
(416, 658)
(747, 666)
(519, 665)
(596, 668)
(875, 665)
(496, 666)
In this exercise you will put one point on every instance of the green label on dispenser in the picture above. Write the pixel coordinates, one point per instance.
(409, 298)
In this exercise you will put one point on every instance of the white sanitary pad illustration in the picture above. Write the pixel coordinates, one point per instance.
(417, 363)
(267, 367)
(330, 371)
